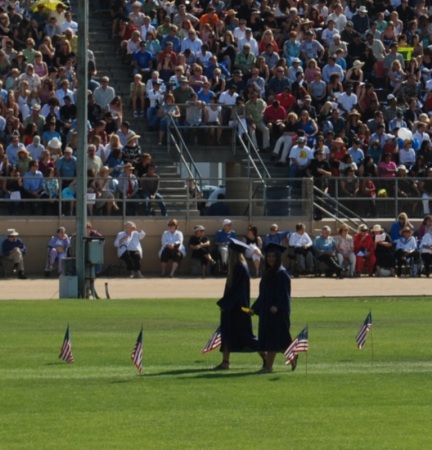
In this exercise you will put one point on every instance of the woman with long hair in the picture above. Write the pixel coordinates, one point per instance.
(235, 324)
(273, 306)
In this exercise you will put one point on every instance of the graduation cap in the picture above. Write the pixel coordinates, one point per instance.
(237, 246)
(272, 247)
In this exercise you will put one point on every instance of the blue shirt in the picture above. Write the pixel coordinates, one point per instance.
(276, 238)
(327, 245)
(9, 245)
(222, 237)
(33, 181)
(143, 59)
(67, 167)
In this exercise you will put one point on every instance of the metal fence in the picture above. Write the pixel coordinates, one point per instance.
(246, 197)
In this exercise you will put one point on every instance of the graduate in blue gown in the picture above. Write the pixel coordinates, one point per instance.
(235, 324)
(273, 306)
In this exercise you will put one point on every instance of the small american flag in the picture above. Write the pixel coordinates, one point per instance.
(298, 345)
(137, 352)
(214, 342)
(66, 350)
(364, 330)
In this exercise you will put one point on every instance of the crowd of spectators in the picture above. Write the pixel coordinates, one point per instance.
(348, 80)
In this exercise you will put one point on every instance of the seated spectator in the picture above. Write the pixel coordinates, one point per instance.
(68, 194)
(301, 247)
(398, 225)
(426, 250)
(172, 248)
(128, 188)
(425, 227)
(253, 251)
(300, 158)
(129, 248)
(406, 252)
(13, 249)
(33, 184)
(200, 246)
(104, 192)
(58, 247)
(276, 237)
(345, 250)
(383, 251)
(325, 252)
(364, 249)
(149, 190)
(222, 240)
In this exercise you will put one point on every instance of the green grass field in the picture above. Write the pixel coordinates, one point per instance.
(345, 400)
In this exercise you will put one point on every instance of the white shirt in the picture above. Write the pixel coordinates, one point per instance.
(226, 99)
(425, 243)
(253, 45)
(300, 240)
(347, 101)
(132, 243)
(172, 238)
(302, 155)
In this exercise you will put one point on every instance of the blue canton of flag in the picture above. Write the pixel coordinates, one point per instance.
(364, 330)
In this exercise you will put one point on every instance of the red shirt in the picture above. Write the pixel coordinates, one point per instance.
(272, 114)
(286, 100)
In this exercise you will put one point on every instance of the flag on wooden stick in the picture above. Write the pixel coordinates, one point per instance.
(298, 345)
(214, 342)
(137, 352)
(66, 350)
(364, 330)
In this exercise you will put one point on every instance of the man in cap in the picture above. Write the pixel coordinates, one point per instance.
(200, 246)
(13, 249)
(222, 240)
(300, 157)
(360, 20)
(392, 108)
(311, 48)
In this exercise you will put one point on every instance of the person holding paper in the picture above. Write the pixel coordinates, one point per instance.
(364, 249)
(384, 252)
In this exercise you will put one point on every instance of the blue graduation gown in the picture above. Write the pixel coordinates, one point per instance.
(236, 325)
(274, 329)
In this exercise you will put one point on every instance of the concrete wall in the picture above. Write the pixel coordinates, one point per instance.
(36, 233)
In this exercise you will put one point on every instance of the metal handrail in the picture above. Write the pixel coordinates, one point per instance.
(246, 148)
(182, 149)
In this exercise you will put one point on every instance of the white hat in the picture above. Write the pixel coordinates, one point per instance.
(390, 97)
(226, 222)
(377, 228)
(199, 228)
(12, 232)
(54, 143)
(362, 9)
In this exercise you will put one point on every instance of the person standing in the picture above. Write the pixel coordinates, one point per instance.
(129, 248)
(13, 249)
(235, 324)
(273, 306)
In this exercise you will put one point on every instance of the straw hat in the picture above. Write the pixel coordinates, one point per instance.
(231, 12)
(377, 228)
(132, 136)
(338, 141)
(357, 64)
